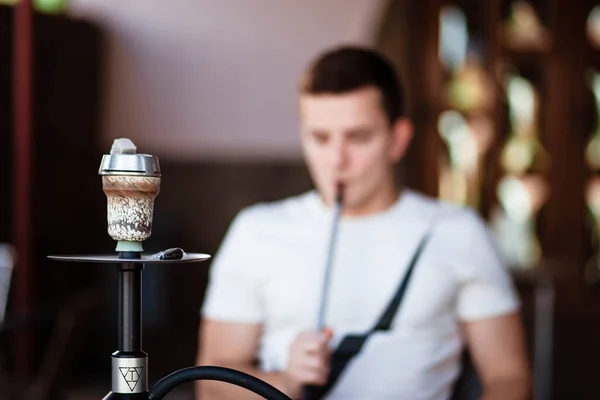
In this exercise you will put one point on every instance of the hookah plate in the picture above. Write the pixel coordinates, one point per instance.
(145, 259)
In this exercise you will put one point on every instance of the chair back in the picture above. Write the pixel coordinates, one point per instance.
(7, 261)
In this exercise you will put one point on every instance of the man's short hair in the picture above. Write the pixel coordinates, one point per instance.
(348, 68)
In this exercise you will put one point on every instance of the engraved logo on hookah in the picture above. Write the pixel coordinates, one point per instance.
(131, 375)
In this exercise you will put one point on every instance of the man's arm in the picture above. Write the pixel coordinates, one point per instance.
(232, 345)
(235, 345)
(497, 347)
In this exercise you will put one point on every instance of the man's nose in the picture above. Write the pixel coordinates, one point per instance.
(339, 155)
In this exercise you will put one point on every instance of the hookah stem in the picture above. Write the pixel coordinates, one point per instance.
(130, 303)
(129, 362)
(130, 293)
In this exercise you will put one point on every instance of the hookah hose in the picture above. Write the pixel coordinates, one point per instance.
(238, 378)
(309, 392)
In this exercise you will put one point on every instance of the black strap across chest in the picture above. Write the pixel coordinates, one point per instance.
(351, 345)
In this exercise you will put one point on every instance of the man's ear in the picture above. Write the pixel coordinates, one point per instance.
(402, 131)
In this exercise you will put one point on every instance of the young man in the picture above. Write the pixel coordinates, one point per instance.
(264, 291)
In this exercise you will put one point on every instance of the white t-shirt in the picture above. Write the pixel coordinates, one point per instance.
(270, 270)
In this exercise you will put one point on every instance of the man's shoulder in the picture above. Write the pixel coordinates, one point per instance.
(462, 236)
(447, 216)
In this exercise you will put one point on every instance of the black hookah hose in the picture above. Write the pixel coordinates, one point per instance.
(310, 392)
(238, 378)
(168, 383)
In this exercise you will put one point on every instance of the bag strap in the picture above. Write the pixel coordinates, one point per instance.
(351, 345)
(385, 321)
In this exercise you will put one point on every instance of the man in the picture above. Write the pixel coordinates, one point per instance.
(264, 290)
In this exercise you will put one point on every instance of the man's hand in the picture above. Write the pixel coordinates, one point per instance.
(309, 360)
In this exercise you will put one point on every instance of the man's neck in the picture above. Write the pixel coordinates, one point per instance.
(380, 201)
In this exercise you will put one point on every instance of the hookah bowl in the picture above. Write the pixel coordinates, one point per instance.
(131, 182)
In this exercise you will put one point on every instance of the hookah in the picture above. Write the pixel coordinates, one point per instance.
(131, 182)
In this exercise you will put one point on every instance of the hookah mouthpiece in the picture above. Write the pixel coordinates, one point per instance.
(339, 193)
(337, 210)
(310, 392)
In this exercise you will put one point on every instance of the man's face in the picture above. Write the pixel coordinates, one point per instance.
(347, 138)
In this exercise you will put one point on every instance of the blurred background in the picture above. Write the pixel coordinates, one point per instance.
(505, 97)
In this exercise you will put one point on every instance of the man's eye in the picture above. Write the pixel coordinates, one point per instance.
(320, 138)
(360, 136)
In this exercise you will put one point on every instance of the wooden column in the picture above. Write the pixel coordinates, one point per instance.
(417, 59)
(22, 64)
(425, 88)
(490, 15)
(562, 233)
